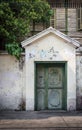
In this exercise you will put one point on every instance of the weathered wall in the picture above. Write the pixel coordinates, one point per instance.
(60, 20)
(72, 24)
(79, 81)
(12, 84)
(51, 48)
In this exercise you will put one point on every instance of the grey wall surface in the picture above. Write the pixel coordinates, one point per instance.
(12, 84)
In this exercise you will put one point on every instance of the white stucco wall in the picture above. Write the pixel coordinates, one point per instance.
(51, 48)
(12, 84)
(12, 76)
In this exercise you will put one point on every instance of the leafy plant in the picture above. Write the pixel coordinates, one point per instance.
(15, 19)
(14, 49)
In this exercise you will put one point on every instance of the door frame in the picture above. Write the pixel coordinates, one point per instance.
(64, 63)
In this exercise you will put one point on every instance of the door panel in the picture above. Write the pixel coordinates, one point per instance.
(49, 87)
(55, 77)
(54, 98)
(40, 99)
(40, 88)
(40, 77)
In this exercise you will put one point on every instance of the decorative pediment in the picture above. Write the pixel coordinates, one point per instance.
(50, 31)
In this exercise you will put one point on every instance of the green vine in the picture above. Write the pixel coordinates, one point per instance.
(16, 19)
(14, 49)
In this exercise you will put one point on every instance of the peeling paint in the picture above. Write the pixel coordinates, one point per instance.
(50, 48)
(17, 84)
(21, 62)
(43, 53)
(79, 102)
(71, 104)
(11, 82)
(79, 82)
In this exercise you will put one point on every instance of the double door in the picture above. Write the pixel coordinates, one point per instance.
(49, 87)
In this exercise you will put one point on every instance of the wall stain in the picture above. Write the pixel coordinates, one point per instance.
(21, 63)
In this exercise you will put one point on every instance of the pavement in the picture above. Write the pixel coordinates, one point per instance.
(40, 120)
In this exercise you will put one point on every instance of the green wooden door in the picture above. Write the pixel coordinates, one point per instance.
(49, 86)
